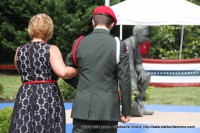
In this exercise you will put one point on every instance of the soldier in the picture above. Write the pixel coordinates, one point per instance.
(96, 106)
(139, 78)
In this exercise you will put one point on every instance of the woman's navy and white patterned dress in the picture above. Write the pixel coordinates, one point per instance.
(38, 107)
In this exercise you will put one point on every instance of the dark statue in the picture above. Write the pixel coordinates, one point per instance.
(139, 78)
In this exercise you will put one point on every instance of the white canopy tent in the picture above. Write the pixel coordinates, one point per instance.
(157, 12)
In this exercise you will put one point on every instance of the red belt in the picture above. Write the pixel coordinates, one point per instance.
(40, 81)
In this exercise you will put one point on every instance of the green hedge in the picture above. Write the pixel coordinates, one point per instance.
(5, 119)
(67, 91)
(1, 91)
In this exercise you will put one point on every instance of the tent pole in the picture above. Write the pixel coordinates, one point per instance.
(181, 44)
(107, 2)
(121, 31)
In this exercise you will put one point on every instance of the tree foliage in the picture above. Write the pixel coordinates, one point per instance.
(71, 18)
(165, 41)
(13, 22)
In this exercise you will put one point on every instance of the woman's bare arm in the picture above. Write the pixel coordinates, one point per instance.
(15, 60)
(59, 66)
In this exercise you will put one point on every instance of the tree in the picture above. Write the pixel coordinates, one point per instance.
(72, 18)
(165, 41)
(13, 24)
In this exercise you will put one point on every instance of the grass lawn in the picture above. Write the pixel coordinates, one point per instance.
(175, 96)
(168, 96)
(11, 84)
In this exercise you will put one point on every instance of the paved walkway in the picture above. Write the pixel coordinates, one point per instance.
(188, 119)
(166, 119)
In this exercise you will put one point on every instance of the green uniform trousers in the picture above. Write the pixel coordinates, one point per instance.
(85, 126)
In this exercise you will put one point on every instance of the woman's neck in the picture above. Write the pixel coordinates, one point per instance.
(37, 40)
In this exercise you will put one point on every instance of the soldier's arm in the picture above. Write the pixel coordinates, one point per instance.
(69, 62)
(123, 74)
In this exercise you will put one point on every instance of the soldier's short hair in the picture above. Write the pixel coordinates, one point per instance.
(102, 19)
(41, 26)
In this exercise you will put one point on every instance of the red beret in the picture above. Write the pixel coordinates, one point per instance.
(105, 10)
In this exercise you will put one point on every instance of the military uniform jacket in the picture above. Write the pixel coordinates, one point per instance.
(97, 96)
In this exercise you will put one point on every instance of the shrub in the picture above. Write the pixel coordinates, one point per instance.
(1, 91)
(5, 119)
(66, 90)
(148, 93)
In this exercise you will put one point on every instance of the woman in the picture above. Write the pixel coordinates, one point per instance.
(39, 106)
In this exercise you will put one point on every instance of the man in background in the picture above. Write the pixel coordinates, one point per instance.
(144, 49)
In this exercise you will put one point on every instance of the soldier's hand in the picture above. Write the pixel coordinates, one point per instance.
(125, 119)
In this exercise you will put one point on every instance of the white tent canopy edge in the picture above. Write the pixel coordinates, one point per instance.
(157, 12)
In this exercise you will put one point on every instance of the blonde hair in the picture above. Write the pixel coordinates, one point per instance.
(41, 26)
